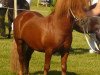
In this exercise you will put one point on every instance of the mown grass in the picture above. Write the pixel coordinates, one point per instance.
(80, 61)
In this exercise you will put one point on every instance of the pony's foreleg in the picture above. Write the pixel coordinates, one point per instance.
(25, 53)
(48, 55)
(64, 56)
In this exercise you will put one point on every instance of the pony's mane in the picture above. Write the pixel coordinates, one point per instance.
(80, 6)
(63, 6)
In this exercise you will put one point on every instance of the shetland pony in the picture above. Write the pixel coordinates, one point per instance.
(49, 34)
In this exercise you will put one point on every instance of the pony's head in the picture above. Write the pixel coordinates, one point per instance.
(95, 26)
(89, 25)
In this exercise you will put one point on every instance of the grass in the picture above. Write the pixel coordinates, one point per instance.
(80, 61)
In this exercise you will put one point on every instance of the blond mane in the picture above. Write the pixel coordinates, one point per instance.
(63, 6)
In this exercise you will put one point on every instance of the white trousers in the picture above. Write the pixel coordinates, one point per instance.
(29, 1)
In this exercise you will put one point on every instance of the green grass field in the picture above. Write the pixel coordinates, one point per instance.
(80, 61)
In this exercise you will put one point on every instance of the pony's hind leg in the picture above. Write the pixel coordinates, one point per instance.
(24, 53)
(27, 56)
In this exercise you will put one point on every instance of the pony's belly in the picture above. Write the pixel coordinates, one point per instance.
(39, 43)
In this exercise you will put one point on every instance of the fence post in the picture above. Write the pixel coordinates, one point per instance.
(15, 8)
(38, 1)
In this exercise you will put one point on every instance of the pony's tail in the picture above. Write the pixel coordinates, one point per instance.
(14, 58)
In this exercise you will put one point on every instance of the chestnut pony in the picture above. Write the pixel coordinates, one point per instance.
(49, 34)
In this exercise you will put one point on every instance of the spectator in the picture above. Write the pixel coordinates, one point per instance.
(45, 2)
(3, 4)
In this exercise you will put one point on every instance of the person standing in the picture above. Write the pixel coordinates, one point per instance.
(3, 9)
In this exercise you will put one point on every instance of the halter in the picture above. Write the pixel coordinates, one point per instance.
(76, 19)
(86, 32)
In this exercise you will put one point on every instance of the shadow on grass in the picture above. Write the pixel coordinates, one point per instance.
(79, 51)
(52, 73)
(75, 51)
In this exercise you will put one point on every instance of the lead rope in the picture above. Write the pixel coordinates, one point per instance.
(95, 44)
(89, 42)
(87, 39)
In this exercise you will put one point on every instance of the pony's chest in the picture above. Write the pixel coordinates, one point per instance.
(52, 38)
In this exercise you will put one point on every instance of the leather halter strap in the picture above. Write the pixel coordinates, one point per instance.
(73, 15)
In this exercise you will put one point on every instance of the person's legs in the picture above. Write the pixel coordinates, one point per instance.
(2, 21)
